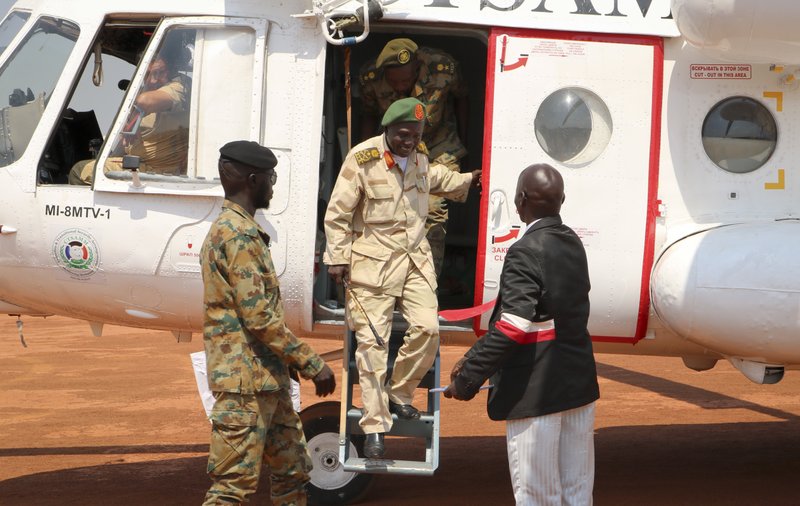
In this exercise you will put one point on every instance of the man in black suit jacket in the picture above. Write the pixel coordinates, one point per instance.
(539, 354)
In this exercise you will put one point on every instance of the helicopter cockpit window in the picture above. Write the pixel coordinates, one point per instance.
(156, 129)
(174, 125)
(573, 125)
(739, 134)
(95, 100)
(11, 27)
(28, 79)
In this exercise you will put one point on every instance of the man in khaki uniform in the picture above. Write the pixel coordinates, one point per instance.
(375, 228)
(161, 139)
(402, 69)
(249, 350)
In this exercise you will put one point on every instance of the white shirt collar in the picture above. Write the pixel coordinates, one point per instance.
(530, 225)
(402, 161)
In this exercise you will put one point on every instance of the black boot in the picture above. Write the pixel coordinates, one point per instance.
(404, 411)
(373, 447)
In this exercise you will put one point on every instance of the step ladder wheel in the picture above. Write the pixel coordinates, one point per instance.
(330, 484)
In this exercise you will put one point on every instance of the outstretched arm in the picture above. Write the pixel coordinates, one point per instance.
(520, 292)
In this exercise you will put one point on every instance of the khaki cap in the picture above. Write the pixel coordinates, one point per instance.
(396, 52)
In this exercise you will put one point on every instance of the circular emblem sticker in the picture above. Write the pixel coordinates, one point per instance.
(403, 56)
(76, 251)
(419, 113)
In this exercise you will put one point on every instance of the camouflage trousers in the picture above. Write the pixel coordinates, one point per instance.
(251, 430)
(436, 224)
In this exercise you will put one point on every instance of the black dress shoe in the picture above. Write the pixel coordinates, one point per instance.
(373, 447)
(405, 411)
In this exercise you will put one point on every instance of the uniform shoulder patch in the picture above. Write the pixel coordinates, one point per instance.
(422, 148)
(368, 75)
(365, 155)
(438, 62)
(442, 67)
(348, 173)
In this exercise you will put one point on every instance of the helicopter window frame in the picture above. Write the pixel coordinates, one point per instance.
(740, 165)
(594, 122)
(199, 179)
(28, 108)
(92, 104)
(11, 17)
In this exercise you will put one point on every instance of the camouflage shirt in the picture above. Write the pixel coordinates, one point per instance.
(248, 346)
(439, 80)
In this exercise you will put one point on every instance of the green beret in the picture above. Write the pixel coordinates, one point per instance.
(396, 52)
(249, 153)
(404, 110)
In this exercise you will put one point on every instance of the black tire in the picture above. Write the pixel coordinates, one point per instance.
(334, 486)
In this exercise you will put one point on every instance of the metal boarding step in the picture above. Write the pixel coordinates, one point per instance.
(426, 428)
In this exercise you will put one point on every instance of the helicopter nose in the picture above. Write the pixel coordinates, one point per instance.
(734, 289)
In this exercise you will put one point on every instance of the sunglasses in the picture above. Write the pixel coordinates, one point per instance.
(273, 177)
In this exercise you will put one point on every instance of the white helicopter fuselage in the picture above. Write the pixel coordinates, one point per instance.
(149, 274)
(671, 123)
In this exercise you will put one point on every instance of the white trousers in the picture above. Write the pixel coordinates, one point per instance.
(551, 458)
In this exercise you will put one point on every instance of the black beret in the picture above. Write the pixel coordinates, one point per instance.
(249, 153)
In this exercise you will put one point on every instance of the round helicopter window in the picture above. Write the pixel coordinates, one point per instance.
(739, 134)
(573, 126)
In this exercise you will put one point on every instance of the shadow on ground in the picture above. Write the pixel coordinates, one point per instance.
(680, 464)
(742, 463)
(700, 397)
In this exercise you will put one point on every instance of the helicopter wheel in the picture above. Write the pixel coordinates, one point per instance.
(330, 484)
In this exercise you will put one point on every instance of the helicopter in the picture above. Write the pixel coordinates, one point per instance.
(671, 122)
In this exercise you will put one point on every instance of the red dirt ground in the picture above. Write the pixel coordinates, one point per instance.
(117, 420)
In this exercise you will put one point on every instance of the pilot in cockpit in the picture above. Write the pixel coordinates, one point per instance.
(157, 127)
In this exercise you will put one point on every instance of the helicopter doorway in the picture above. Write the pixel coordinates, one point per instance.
(468, 48)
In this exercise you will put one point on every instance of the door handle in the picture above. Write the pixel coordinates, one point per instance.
(7, 230)
(499, 207)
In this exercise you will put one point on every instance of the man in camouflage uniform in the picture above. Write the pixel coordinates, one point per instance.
(375, 228)
(433, 77)
(249, 350)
